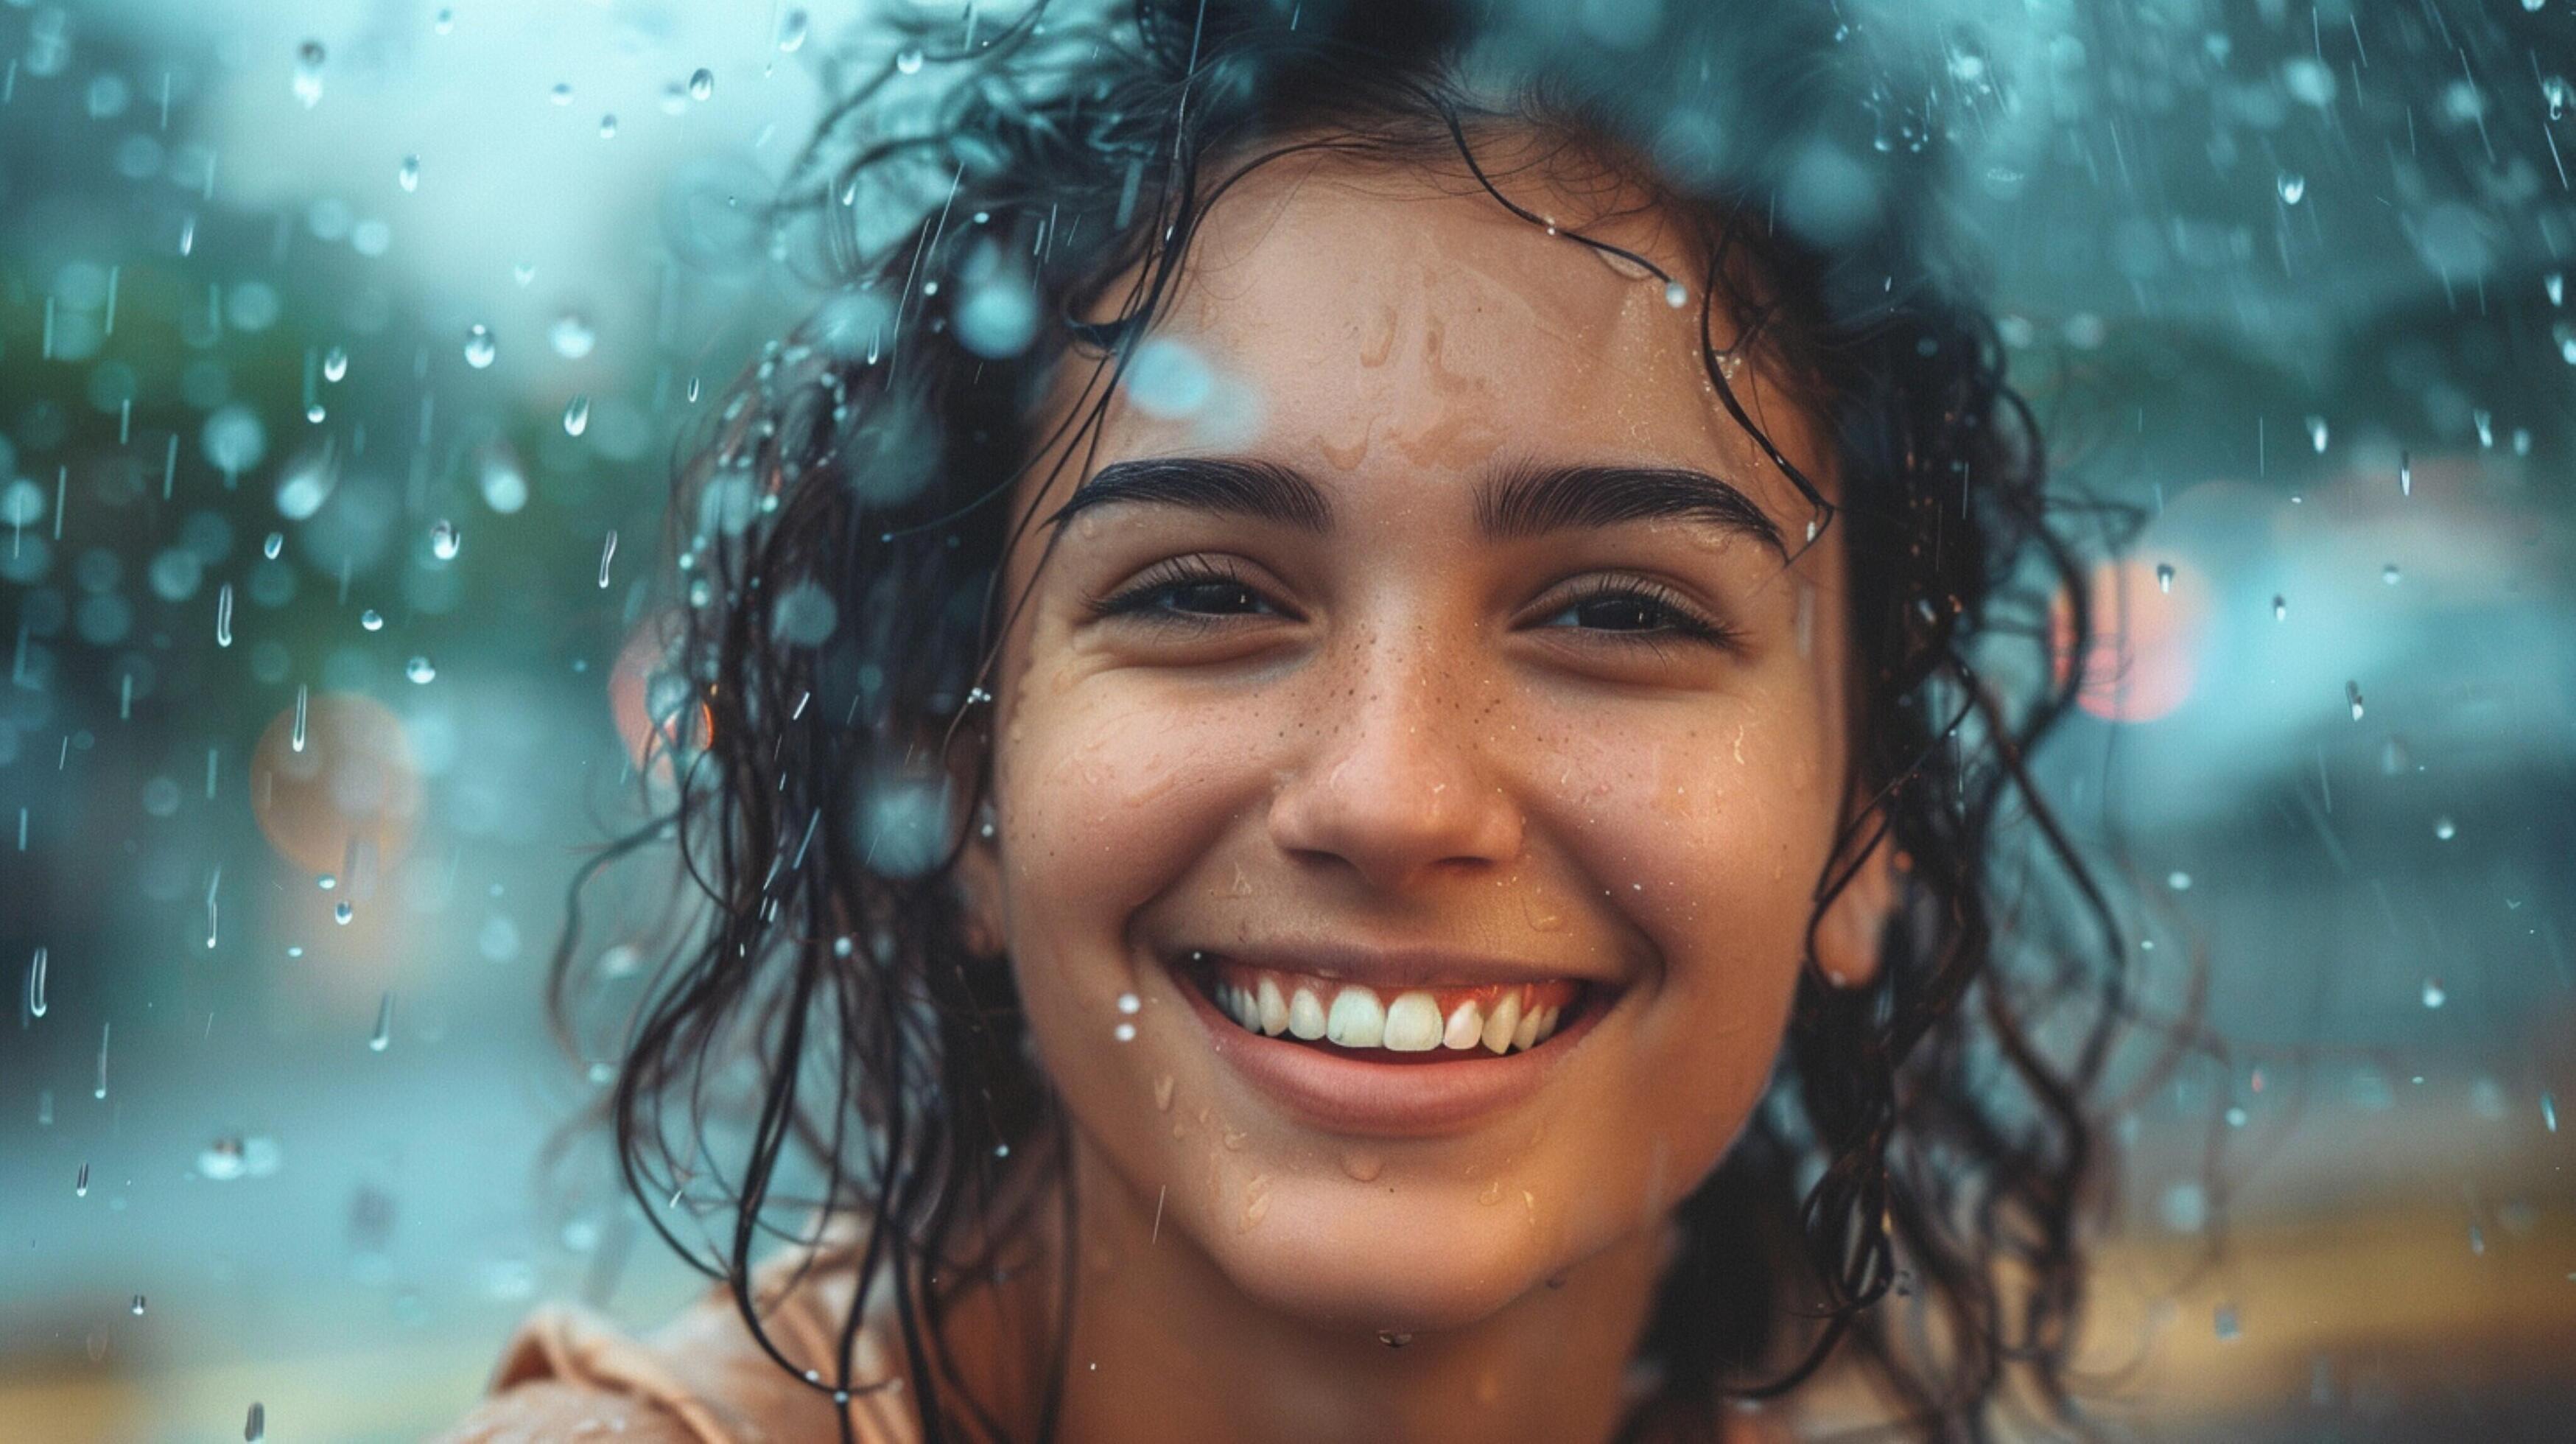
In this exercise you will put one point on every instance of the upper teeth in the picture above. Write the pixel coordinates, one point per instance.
(1409, 1023)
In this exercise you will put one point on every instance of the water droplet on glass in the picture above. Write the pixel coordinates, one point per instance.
(80, 1185)
(224, 615)
(2178, 880)
(607, 554)
(562, 93)
(2434, 996)
(480, 348)
(302, 693)
(908, 61)
(384, 1034)
(443, 541)
(2164, 576)
(342, 911)
(2293, 186)
(792, 30)
(702, 83)
(2280, 607)
(326, 881)
(576, 418)
(2389, 574)
(138, 1306)
(2352, 694)
(407, 175)
(523, 273)
(2444, 829)
(255, 1427)
(2555, 283)
(571, 336)
(36, 985)
(420, 671)
(308, 73)
(2405, 474)
(2549, 1111)
(608, 127)
(275, 543)
(335, 364)
(2317, 434)
(372, 620)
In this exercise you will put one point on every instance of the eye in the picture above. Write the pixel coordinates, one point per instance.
(1188, 592)
(1637, 612)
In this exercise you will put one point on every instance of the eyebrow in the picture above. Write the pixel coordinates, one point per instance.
(1517, 502)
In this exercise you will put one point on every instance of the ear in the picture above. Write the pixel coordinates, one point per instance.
(1848, 934)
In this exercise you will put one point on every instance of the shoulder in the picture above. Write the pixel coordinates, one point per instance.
(568, 1372)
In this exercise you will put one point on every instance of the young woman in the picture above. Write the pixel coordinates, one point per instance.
(1345, 717)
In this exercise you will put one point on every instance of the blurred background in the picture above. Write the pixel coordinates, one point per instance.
(344, 349)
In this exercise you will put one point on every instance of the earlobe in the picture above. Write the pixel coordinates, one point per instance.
(1847, 936)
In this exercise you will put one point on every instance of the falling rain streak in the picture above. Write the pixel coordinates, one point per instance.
(36, 985)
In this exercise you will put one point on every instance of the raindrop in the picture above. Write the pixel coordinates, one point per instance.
(300, 699)
(2389, 574)
(224, 615)
(2317, 434)
(101, 1090)
(479, 346)
(443, 540)
(2164, 576)
(571, 336)
(335, 364)
(2293, 186)
(420, 671)
(2405, 474)
(562, 93)
(36, 985)
(1676, 295)
(2434, 997)
(576, 416)
(792, 30)
(702, 83)
(255, 1427)
(408, 174)
(2555, 283)
(2178, 880)
(2549, 1111)
(2444, 829)
(2280, 608)
(2485, 420)
(2352, 694)
(326, 881)
(384, 1034)
(308, 73)
(1124, 1032)
(607, 554)
(341, 912)
(372, 620)
(138, 1306)
(523, 273)
(608, 127)
(80, 1188)
(1393, 1339)
(908, 61)
(275, 543)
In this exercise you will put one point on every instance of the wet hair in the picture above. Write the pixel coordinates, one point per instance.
(972, 207)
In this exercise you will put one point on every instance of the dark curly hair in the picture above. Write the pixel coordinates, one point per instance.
(970, 207)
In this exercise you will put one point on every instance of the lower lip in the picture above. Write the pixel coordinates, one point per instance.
(1343, 1094)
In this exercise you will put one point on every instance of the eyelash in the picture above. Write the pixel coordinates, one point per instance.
(1680, 618)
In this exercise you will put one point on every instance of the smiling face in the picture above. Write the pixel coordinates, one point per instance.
(1421, 641)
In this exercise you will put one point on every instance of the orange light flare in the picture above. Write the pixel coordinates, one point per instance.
(2144, 656)
(646, 652)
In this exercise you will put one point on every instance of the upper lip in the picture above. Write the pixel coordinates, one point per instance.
(1399, 966)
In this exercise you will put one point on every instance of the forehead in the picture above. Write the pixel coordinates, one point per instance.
(1376, 316)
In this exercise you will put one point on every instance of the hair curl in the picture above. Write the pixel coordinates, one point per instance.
(838, 535)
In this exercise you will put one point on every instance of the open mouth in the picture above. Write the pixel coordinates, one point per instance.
(1367, 1024)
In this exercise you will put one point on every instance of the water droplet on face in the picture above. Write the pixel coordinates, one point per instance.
(908, 61)
(444, 540)
(335, 364)
(1124, 1032)
(571, 336)
(480, 348)
(1163, 1093)
(2444, 829)
(1393, 1339)
(576, 417)
(2164, 576)
(372, 620)
(308, 73)
(702, 83)
(342, 911)
(1129, 1003)
(420, 671)
(2434, 996)
(1362, 1165)
(2293, 187)
(407, 175)
(1676, 295)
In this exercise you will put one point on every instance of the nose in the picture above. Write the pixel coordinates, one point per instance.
(1397, 783)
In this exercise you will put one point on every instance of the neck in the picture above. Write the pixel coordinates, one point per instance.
(1162, 1345)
